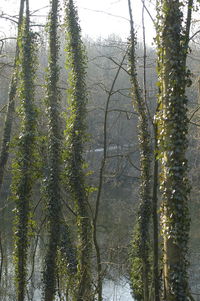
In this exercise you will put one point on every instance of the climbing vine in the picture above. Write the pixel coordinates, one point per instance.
(75, 135)
(142, 245)
(136, 275)
(53, 189)
(172, 46)
(67, 263)
(23, 166)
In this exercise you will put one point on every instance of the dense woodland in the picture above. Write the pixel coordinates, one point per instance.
(99, 157)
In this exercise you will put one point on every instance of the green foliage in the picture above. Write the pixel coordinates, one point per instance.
(24, 164)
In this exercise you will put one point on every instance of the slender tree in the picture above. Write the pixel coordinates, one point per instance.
(155, 267)
(53, 189)
(156, 249)
(100, 184)
(23, 175)
(172, 39)
(4, 154)
(75, 138)
(145, 191)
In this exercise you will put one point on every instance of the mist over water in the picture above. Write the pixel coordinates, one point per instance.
(112, 291)
(117, 291)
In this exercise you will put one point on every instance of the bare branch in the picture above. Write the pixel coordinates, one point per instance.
(106, 13)
(148, 12)
(195, 111)
(196, 33)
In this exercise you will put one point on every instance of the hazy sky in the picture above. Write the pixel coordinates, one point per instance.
(97, 17)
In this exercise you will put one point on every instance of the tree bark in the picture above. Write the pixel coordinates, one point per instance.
(156, 280)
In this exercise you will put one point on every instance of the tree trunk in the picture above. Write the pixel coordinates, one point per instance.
(11, 105)
(145, 151)
(23, 175)
(156, 280)
(76, 134)
(54, 158)
(172, 133)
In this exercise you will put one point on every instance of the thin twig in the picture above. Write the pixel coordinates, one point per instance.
(195, 111)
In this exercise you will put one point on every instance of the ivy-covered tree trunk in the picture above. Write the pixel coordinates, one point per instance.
(23, 166)
(67, 263)
(75, 138)
(11, 104)
(156, 280)
(144, 213)
(53, 189)
(172, 121)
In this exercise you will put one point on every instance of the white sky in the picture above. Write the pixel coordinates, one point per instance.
(99, 18)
